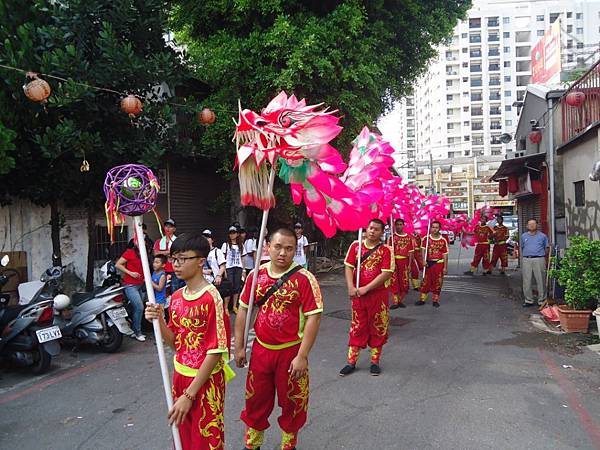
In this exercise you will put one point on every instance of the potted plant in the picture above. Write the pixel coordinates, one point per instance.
(579, 273)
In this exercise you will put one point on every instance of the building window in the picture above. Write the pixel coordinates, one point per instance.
(570, 57)
(507, 93)
(450, 126)
(464, 35)
(506, 34)
(579, 193)
(507, 108)
(507, 78)
(465, 79)
(569, 14)
(579, 16)
(448, 83)
(506, 20)
(569, 28)
(465, 64)
(508, 123)
(496, 152)
(579, 30)
(580, 45)
(539, 18)
(553, 17)
(465, 108)
(506, 49)
(465, 50)
(506, 63)
(570, 43)
(450, 111)
(467, 138)
(104, 248)
(540, 32)
(449, 97)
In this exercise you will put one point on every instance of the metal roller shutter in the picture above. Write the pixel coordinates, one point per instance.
(529, 207)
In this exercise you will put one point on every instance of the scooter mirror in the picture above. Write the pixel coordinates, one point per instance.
(4, 261)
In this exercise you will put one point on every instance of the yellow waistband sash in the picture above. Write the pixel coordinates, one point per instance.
(190, 372)
(501, 242)
(401, 257)
(279, 346)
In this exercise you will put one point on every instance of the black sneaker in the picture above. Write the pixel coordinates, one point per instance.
(487, 272)
(503, 273)
(416, 289)
(401, 305)
(347, 370)
(395, 306)
(468, 272)
(375, 370)
(246, 448)
(419, 303)
(436, 304)
(528, 305)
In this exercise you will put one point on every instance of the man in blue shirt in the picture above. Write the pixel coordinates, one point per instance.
(534, 250)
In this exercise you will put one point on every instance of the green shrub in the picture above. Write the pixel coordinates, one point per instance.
(579, 273)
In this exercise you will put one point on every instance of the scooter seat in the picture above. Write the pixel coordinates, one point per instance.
(9, 313)
(81, 297)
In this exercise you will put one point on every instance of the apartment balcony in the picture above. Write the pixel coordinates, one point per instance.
(494, 67)
(475, 69)
(494, 82)
(474, 24)
(476, 83)
(495, 126)
(495, 111)
(477, 127)
(475, 39)
(451, 72)
(494, 38)
(476, 112)
(475, 53)
(493, 23)
(494, 52)
(495, 97)
(476, 97)
(477, 142)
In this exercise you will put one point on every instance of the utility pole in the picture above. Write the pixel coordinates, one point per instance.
(431, 170)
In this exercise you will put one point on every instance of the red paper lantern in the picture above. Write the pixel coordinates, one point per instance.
(131, 105)
(513, 184)
(503, 188)
(206, 117)
(575, 99)
(535, 137)
(37, 90)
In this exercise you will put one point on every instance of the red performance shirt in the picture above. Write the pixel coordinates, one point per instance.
(500, 234)
(436, 248)
(280, 320)
(483, 233)
(164, 245)
(379, 261)
(403, 245)
(201, 326)
(133, 264)
(417, 241)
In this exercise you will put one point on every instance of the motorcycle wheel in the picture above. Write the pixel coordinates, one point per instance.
(113, 340)
(43, 361)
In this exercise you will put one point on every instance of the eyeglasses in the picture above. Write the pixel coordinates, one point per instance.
(180, 261)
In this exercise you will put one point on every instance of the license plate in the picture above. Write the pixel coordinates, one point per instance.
(116, 313)
(48, 334)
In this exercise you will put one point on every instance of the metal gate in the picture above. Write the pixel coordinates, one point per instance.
(529, 208)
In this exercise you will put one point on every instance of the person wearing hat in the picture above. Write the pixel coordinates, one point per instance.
(214, 269)
(301, 246)
(233, 249)
(163, 247)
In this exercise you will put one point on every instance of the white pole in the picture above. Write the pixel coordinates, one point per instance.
(360, 235)
(259, 248)
(426, 248)
(164, 369)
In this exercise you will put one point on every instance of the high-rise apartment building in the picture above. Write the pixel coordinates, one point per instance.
(470, 95)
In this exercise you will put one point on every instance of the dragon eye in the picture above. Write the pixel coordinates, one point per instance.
(286, 121)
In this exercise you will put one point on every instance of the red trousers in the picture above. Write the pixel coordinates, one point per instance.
(370, 320)
(500, 252)
(400, 280)
(482, 253)
(268, 374)
(434, 278)
(416, 266)
(203, 426)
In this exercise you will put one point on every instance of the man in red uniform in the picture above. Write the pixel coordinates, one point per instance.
(402, 246)
(286, 326)
(500, 251)
(483, 234)
(370, 309)
(417, 262)
(436, 265)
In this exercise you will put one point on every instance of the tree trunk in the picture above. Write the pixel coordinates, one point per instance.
(55, 233)
(91, 230)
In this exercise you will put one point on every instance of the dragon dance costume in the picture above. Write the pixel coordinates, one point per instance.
(437, 249)
(403, 247)
(279, 328)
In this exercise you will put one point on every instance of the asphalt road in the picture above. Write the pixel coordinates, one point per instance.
(473, 374)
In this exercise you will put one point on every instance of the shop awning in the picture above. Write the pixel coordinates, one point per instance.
(520, 165)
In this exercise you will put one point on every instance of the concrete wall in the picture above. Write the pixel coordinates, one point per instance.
(26, 227)
(577, 163)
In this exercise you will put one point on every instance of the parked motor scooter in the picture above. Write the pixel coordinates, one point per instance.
(27, 336)
(98, 317)
(46, 288)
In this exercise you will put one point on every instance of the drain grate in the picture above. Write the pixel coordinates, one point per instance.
(346, 314)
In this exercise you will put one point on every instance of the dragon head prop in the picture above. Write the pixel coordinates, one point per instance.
(287, 129)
